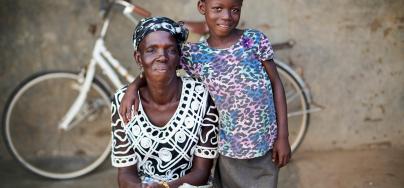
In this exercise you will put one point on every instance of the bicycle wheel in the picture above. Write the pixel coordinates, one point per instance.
(297, 104)
(30, 125)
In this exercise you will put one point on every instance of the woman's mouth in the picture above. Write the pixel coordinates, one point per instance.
(160, 68)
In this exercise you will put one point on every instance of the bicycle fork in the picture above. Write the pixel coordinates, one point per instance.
(88, 74)
(100, 57)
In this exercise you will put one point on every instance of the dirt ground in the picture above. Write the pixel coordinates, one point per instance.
(366, 168)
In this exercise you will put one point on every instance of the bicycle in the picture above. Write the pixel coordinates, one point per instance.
(63, 132)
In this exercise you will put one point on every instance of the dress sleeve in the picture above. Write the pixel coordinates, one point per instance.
(122, 154)
(208, 139)
(264, 47)
(191, 68)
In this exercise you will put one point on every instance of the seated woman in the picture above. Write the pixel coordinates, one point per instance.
(172, 140)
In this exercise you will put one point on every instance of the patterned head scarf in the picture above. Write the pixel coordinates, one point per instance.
(148, 25)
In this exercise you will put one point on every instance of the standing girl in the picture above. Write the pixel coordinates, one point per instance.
(238, 69)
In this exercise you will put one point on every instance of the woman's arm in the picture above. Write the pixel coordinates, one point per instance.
(130, 98)
(128, 178)
(122, 155)
(281, 152)
(199, 174)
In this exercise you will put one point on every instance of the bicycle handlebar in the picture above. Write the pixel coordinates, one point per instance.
(283, 45)
(141, 11)
(105, 7)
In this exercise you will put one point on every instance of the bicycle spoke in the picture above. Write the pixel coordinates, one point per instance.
(297, 113)
(291, 96)
(288, 92)
(57, 153)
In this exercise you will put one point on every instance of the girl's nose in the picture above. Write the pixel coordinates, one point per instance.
(226, 14)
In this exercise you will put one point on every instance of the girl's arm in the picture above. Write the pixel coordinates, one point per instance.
(127, 177)
(281, 152)
(130, 98)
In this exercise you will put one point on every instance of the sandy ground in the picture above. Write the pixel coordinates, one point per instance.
(374, 168)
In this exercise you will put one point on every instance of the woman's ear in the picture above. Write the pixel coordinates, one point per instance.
(202, 7)
(136, 56)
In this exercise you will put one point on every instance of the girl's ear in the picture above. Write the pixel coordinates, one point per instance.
(202, 7)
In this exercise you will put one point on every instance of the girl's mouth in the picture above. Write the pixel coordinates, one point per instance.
(224, 26)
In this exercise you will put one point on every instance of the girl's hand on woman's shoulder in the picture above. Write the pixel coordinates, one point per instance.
(131, 98)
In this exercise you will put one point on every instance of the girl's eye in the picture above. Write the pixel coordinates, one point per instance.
(217, 9)
(235, 10)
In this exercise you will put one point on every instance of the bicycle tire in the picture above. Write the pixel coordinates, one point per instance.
(298, 116)
(57, 154)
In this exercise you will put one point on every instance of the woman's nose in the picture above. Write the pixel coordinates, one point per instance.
(162, 56)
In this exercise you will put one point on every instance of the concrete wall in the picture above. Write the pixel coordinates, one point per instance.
(351, 54)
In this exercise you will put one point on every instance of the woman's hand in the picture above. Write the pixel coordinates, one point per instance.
(154, 185)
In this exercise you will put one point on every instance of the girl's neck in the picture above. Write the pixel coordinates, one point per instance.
(225, 41)
(162, 93)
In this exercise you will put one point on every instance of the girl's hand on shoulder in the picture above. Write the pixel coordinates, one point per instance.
(281, 153)
(130, 98)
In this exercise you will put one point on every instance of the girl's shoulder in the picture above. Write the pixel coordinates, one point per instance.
(191, 46)
(254, 33)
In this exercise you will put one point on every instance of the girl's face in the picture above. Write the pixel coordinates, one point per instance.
(222, 16)
(158, 53)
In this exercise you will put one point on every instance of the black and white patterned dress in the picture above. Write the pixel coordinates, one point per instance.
(166, 153)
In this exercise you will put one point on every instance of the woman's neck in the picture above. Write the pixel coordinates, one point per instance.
(164, 92)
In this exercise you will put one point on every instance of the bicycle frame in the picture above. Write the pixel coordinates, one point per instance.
(103, 58)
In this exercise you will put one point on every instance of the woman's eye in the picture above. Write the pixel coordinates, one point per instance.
(173, 50)
(149, 50)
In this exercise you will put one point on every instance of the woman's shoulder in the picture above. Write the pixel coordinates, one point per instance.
(196, 84)
(192, 81)
(119, 95)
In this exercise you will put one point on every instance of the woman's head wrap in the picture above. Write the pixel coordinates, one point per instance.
(148, 25)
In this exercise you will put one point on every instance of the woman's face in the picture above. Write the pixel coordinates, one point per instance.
(158, 53)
